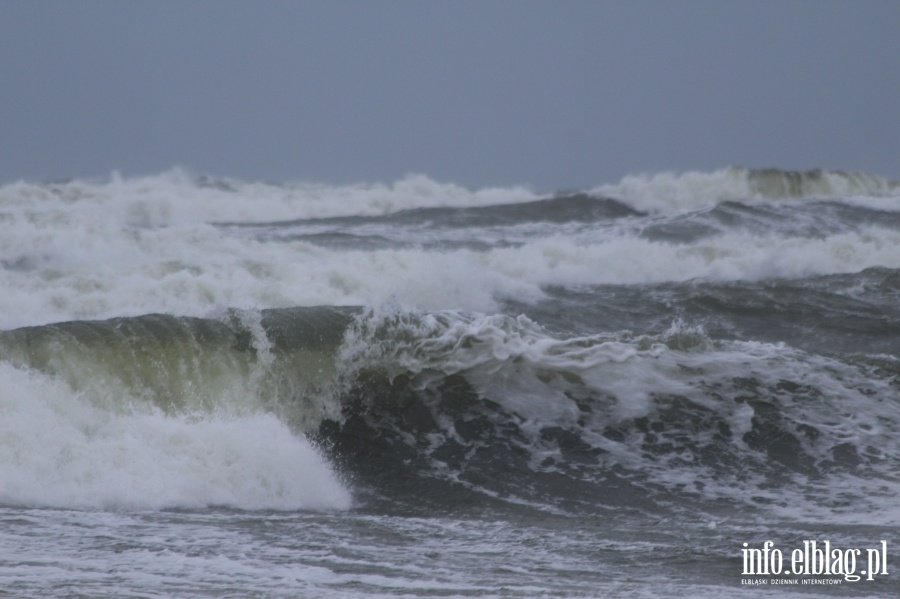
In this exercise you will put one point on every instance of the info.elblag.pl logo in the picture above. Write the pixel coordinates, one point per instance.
(813, 559)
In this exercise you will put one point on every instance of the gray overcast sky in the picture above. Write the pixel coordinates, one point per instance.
(551, 94)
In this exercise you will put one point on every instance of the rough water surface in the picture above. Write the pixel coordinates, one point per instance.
(211, 387)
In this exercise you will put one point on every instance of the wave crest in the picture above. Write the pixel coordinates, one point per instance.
(670, 192)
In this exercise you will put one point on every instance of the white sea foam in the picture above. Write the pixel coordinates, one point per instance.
(176, 197)
(58, 449)
(89, 270)
(126, 247)
(129, 246)
(538, 378)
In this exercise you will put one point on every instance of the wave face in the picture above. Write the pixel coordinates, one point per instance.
(715, 342)
(158, 411)
(667, 192)
(440, 409)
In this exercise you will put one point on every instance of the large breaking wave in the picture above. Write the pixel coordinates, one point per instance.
(435, 410)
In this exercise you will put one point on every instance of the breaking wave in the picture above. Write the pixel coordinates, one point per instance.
(668, 192)
(437, 409)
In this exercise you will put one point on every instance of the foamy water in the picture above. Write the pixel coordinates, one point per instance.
(60, 450)
(127, 247)
(219, 387)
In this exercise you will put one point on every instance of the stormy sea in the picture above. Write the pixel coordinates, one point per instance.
(677, 385)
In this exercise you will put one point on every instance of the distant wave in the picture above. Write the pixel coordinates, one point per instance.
(178, 197)
(190, 246)
(668, 192)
